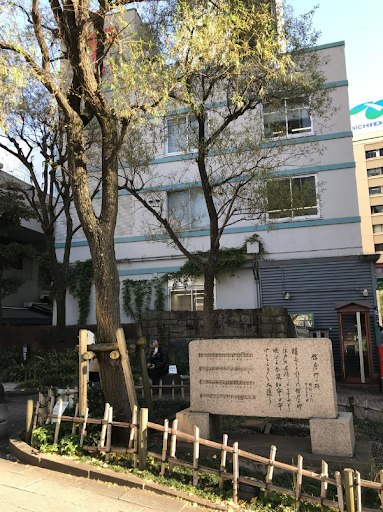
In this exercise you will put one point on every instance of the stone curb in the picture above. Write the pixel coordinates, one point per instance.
(31, 456)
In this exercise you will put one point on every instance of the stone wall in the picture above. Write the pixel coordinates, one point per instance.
(175, 329)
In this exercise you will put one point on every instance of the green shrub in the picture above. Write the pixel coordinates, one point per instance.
(44, 369)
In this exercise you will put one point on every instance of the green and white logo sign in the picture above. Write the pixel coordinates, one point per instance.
(365, 117)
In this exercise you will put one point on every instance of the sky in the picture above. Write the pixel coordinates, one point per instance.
(359, 24)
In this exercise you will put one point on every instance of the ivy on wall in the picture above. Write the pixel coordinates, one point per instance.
(80, 279)
(229, 261)
(137, 295)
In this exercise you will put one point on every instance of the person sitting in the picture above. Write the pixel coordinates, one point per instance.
(158, 362)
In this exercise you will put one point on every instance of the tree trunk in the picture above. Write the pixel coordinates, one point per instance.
(100, 236)
(107, 289)
(208, 305)
(59, 275)
(60, 299)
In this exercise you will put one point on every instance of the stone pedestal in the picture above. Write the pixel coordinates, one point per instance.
(210, 425)
(333, 436)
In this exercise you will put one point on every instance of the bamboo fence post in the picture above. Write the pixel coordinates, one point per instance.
(58, 421)
(35, 416)
(349, 489)
(298, 488)
(222, 468)
(75, 415)
(173, 443)
(381, 487)
(164, 446)
(83, 377)
(143, 439)
(324, 483)
(109, 433)
(195, 456)
(173, 390)
(160, 390)
(270, 468)
(339, 488)
(29, 422)
(51, 403)
(41, 415)
(358, 492)
(133, 435)
(67, 394)
(235, 473)
(83, 427)
(365, 408)
(104, 425)
(182, 389)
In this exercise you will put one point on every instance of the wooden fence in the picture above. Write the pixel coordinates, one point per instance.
(185, 384)
(348, 485)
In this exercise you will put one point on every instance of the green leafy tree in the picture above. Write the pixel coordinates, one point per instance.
(12, 211)
(235, 60)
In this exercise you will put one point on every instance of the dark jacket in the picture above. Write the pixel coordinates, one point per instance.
(160, 360)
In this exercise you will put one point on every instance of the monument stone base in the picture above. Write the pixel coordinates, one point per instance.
(333, 436)
(210, 425)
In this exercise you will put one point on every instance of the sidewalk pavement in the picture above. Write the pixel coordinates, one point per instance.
(28, 488)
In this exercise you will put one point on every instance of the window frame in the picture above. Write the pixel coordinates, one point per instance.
(187, 116)
(189, 190)
(374, 206)
(375, 169)
(287, 135)
(299, 217)
(376, 188)
(378, 153)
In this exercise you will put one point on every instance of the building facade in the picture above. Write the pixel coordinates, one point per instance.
(313, 257)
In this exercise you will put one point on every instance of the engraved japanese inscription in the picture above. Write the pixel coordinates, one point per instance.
(291, 378)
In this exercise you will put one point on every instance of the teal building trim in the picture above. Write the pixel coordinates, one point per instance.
(229, 231)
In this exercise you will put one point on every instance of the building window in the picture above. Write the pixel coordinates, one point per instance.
(187, 209)
(182, 132)
(378, 208)
(377, 228)
(378, 247)
(291, 119)
(373, 153)
(189, 299)
(292, 197)
(377, 171)
(375, 190)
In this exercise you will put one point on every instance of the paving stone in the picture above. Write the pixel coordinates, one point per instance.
(153, 501)
(104, 503)
(17, 480)
(58, 490)
(35, 502)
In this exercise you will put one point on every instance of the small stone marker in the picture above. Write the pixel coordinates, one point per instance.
(279, 378)
(56, 410)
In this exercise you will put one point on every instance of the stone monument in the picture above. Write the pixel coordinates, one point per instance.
(278, 378)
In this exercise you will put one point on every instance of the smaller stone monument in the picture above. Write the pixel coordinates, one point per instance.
(278, 378)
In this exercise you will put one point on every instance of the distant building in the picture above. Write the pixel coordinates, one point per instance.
(29, 306)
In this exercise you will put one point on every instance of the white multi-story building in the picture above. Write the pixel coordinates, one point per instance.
(314, 258)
